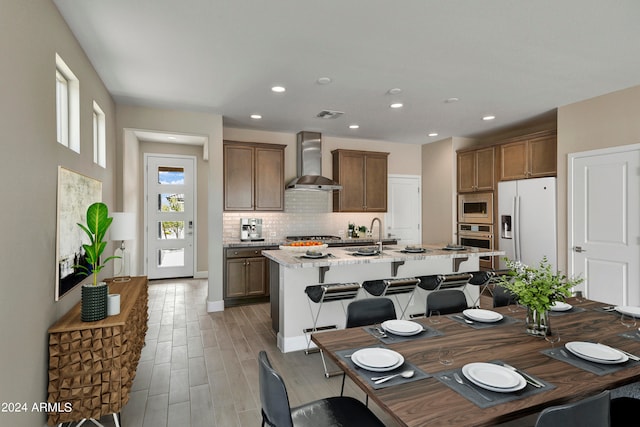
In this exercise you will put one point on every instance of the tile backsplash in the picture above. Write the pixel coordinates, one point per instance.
(306, 212)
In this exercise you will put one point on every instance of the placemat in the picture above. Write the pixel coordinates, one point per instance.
(573, 309)
(607, 309)
(633, 334)
(419, 374)
(389, 338)
(506, 320)
(472, 392)
(599, 369)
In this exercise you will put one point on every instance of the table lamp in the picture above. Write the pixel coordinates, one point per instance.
(122, 228)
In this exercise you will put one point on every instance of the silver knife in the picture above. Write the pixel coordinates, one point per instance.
(526, 376)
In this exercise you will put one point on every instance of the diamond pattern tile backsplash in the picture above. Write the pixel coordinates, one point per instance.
(306, 212)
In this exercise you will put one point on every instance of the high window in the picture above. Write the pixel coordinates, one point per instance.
(67, 106)
(99, 136)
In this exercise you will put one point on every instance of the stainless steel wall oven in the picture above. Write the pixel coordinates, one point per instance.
(479, 236)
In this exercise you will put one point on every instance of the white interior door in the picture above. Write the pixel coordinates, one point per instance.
(604, 223)
(403, 217)
(169, 219)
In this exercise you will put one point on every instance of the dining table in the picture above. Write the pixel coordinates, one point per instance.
(433, 396)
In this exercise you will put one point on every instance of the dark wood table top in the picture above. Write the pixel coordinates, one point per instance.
(430, 402)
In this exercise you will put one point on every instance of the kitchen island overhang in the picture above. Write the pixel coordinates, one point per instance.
(291, 273)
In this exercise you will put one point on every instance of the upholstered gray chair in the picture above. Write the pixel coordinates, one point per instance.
(331, 411)
(370, 311)
(446, 301)
(590, 412)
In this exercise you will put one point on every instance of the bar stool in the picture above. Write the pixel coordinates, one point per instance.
(319, 294)
(393, 287)
(482, 279)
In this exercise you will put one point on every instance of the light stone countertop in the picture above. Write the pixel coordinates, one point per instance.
(391, 253)
(237, 243)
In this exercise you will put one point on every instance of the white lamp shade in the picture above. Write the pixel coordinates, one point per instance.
(123, 226)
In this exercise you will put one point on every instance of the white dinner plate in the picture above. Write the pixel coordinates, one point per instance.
(414, 249)
(402, 327)
(313, 255)
(377, 359)
(560, 306)
(481, 315)
(628, 309)
(598, 353)
(494, 377)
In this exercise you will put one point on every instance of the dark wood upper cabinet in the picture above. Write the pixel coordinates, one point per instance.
(532, 156)
(476, 170)
(363, 176)
(253, 176)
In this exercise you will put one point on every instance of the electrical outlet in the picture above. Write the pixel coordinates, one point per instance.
(272, 234)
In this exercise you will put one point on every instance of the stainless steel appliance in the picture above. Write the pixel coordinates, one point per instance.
(527, 220)
(251, 229)
(475, 208)
(309, 165)
(479, 236)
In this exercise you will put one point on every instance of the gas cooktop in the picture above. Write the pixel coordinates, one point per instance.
(313, 237)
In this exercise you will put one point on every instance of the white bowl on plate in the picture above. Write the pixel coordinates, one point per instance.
(481, 315)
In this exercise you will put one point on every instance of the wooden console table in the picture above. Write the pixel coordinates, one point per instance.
(92, 364)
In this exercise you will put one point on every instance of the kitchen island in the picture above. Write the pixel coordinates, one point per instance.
(291, 273)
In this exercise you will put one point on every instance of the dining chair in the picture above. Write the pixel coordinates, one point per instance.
(503, 297)
(624, 411)
(446, 301)
(370, 311)
(481, 279)
(331, 411)
(590, 412)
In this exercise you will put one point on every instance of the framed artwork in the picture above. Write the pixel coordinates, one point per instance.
(76, 193)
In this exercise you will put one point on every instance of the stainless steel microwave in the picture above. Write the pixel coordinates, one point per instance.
(475, 208)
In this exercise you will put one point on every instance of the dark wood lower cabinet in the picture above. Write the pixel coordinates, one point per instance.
(246, 276)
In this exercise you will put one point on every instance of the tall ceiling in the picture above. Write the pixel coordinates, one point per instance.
(514, 59)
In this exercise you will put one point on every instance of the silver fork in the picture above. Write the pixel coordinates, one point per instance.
(460, 381)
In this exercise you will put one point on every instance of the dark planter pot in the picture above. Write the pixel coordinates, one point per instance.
(94, 302)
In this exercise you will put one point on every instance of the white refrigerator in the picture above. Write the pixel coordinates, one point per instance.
(527, 219)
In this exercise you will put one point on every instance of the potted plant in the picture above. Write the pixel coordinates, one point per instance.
(537, 289)
(94, 296)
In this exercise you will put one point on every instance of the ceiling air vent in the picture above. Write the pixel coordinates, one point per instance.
(329, 114)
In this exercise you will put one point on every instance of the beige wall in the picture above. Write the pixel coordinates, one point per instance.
(209, 126)
(606, 121)
(439, 200)
(403, 158)
(32, 33)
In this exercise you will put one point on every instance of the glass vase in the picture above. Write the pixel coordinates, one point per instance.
(537, 322)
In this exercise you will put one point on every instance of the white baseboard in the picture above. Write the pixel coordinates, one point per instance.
(201, 275)
(293, 343)
(213, 306)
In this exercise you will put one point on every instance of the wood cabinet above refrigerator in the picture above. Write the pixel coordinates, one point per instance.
(363, 176)
(532, 156)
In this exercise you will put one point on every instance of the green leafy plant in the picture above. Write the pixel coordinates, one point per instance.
(537, 288)
(98, 222)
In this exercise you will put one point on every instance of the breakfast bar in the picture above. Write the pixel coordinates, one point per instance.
(292, 270)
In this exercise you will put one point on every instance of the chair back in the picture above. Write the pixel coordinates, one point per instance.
(370, 311)
(446, 301)
(480, 278)
(431, 282)
(590, 412)
(273, 395)
(503, 297)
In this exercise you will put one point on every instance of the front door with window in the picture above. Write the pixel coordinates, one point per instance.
(170, 207)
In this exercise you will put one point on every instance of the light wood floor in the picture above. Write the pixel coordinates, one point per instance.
(200, 369)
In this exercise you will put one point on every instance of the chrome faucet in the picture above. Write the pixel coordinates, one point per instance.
(379, 242)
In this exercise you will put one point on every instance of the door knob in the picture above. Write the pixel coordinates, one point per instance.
(579, 249)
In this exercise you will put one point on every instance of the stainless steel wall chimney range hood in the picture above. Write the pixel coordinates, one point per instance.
(309, 165)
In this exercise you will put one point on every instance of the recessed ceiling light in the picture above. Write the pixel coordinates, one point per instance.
(256, 116)
(354, 126)
(278, 89)
(450, 100)
(433, 134)
(324, 80)
(487, 118)
(394, 91)
(396, 105)
(171, 137)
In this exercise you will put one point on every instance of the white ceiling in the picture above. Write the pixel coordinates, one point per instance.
(515, 59)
